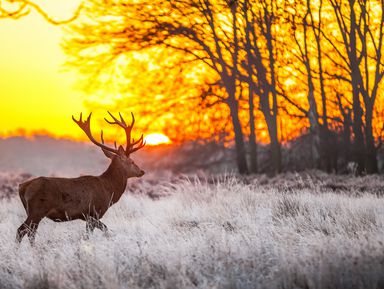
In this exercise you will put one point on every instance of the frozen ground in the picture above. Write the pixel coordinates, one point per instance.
(293, 231)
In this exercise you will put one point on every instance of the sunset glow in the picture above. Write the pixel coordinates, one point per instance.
(50, 72)
(36, 93)
(156, 139)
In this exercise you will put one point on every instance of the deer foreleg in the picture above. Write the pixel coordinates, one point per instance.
(101, 226)
(29, 228)
(21, 232)
(92, 223)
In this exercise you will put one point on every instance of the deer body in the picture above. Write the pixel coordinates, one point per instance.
(86, 197)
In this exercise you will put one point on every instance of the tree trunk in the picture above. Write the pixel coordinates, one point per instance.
(370, 149)
(275, 145)
(251, 91)
(313, 118)
(358, 145)
(230, 81)
(272, 124)
(324, 139)
(239, 140)
(346, 141)
(252, 135)
(313, 114)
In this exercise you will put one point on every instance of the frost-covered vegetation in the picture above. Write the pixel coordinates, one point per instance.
(293, 231)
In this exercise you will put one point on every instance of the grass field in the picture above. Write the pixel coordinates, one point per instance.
(293, 231)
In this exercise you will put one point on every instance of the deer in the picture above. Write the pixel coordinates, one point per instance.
(86, 197)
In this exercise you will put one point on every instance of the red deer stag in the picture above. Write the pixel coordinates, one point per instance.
(86, 197)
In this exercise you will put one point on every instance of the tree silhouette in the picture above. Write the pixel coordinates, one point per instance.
(272, 70)
(202, 31)
(20, 8)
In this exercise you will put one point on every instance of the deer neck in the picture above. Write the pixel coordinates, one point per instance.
(116, 180)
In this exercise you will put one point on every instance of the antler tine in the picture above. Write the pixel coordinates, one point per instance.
(116, 121)
(136, 142)
(142, 144)
(102, 137)
(129, 144)
(86, 127)
(122, 119)
(130, 147)
(140, 141)
(102, 140)
(120, 122)
(133, 119)
(80, 121)
(124, 125)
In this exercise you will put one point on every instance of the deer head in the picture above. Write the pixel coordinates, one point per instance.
(119, 155)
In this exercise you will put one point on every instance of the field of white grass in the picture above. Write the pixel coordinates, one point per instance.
(293, 231)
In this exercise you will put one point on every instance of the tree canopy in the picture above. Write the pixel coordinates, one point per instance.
(248, 71)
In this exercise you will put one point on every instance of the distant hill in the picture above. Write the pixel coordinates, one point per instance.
(43, 155)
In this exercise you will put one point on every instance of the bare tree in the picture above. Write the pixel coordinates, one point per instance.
(260, 70)
(306, 32)
(16, 9)
(363, 42)
(301, 23)
(237, 52)
(193, 28)
(251, 85)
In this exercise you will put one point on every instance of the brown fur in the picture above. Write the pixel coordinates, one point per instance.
(64, 199)
(86, 197)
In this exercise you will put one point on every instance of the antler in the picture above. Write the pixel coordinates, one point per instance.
(86, 127)
(141, 143)
(130, 148)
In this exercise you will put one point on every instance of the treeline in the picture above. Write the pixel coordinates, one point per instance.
(248, 71)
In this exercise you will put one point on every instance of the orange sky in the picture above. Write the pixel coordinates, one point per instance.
(37, 95)
(35, 92)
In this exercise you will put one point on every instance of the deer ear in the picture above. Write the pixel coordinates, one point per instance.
(108, 154)
(121, 151)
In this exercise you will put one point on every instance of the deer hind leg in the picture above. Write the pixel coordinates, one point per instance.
(92, 223)
(102, 227)
(21, 232)
(29, 228)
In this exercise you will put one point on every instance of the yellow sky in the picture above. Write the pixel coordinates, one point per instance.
(35, 92)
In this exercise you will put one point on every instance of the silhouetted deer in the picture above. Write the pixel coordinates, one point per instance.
(87, 197)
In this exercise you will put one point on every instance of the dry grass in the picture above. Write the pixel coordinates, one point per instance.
(214, 233)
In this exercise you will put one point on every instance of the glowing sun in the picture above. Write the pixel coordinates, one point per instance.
(156, 139)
